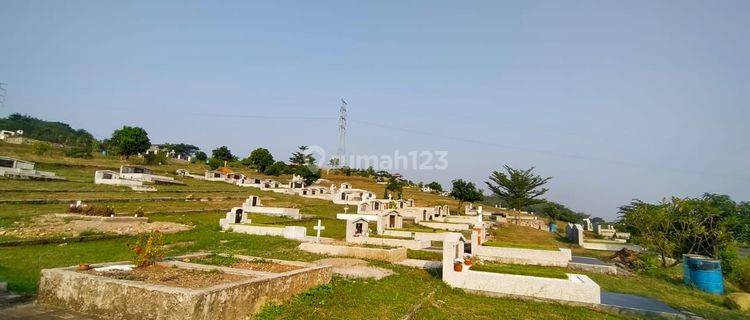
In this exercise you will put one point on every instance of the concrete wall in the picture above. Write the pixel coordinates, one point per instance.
(424, 236)
(274, 211)
(610, 246)
(577, 288)
(558, 258)
(110, 298)
(390, 255)
(406, 243)
(289, 232)
(445, 226)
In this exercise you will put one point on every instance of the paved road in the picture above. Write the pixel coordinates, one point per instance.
(587, 260)
(635, 302)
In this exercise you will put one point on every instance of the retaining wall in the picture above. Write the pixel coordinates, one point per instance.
(559, 258)
(390, 255)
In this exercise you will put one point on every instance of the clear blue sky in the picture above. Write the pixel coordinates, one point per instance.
(614, 100)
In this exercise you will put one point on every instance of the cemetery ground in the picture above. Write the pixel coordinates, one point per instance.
(409, 293)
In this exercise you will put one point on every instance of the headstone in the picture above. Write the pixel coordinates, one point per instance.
(318, 228)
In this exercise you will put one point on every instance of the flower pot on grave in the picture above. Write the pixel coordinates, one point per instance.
(467, 261)
(458, 267)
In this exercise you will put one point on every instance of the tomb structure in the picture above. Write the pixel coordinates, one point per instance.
(144, 174)
(457, 273)
(113, 178)
(576, 234)
(12, 168)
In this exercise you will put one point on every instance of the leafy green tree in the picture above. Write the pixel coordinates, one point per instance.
(435, 186)
(308, 174)
(181, 148)
(276, 169)
(129, 141)
(301, 157)
(84, 147)
(560, 211)
(214, 163)
(518, 188)
(394, 186)
(465, 191)
(201, 156)
(223, 153)
(55, 132)
(260, 159)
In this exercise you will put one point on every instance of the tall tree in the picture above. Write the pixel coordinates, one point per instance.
(465, 191)
(223, 153)
(260, 159)
(518, 188)
(129, 141)
(302, 157)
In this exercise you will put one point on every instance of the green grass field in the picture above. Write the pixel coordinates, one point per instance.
(391, 298)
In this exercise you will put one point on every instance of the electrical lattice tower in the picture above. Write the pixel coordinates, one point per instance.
(341, 152)
(2, 93)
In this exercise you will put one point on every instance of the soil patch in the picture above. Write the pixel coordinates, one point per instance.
(174, 277)
(47, 226)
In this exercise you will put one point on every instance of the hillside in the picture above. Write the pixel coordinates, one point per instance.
(33, 128)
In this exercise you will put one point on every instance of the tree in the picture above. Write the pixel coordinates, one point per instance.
(260, 159)
(181, 148)
(129, 141)
(276, 169)
(560, 211)
(395, 186)
(518, 188)
(214, 163)
(301, 157)
(308, 174)
(465, 191)
(223, 153)
(435, 186)
(201, 156)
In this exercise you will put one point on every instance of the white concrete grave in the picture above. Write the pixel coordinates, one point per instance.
(576, 288)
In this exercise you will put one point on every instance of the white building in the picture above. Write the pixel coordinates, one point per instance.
(20, 169)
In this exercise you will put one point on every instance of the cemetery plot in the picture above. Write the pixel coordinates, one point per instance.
(174, 289)
(248, 263)
(169, 276)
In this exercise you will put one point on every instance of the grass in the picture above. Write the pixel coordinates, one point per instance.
(424, 255)
(523, 270)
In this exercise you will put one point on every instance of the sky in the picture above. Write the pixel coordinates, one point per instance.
(614, 100)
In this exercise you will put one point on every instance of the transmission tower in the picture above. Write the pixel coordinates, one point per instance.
(341, 152)
(2, 93)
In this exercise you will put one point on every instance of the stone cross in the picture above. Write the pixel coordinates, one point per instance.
(318, 228)
(390, 196)
(346, 209)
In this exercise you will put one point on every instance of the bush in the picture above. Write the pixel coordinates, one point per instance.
(647, 261)
(92, 210)
(148, 249)
(40, 148)
(741, 273)
(154, 159)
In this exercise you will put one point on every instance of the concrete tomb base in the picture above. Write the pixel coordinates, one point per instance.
(112, 298)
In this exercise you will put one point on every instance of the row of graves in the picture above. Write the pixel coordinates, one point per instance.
(603, 237)
(136, 177)
(12, 168)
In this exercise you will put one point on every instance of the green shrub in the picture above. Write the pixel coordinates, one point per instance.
(154, 159)
(647, 261)
(40, 148)
(148, 249)
(741, 273)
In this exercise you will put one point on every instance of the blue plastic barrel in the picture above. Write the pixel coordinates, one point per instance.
(686, 269)
(553, 227)
(706, 275)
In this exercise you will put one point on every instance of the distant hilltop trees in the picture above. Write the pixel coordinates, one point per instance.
(55, 132)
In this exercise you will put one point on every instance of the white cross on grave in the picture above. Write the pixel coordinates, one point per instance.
(346, 209)
(318, 228)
